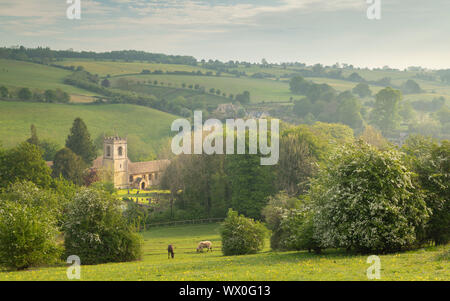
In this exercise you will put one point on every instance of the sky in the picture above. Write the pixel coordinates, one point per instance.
(409, 32)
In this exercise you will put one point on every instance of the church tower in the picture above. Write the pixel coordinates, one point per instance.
(115, 160)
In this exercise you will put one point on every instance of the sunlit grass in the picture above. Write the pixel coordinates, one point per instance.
(423, 264)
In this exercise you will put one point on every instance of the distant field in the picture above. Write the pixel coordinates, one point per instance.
(260, 89)
(19, 74)
(146, 128)
(275, 71)
(423, 264)
(103, 68)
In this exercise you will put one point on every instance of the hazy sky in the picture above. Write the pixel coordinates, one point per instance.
(410, 32)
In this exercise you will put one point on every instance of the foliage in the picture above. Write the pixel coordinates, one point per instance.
(241, 235)
(68, 165)
(365, 200)
(24, 162)
(297, 163)
(385, 114)
(431, 162)
(49, 149)
(28, 227)
(136, 215)
(291, 223)
(362, 90)
(296, 231)
(96, 231)
(80, 142)
(250, 183)
(34, 138)
(372, 136)
(411, 87)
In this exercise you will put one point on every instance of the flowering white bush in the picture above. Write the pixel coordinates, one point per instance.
(365, 200)
(96, 231)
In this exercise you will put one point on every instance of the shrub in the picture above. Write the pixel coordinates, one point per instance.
(96, 231)
(296, 231)
(28, 227)
(291, 223)
(241, 235)
(431, 162)
(365, 200)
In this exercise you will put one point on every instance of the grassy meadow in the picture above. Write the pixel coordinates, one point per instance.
(20, 74)
(104, 68)
(144, 127)
(422, 264)
(260, 89)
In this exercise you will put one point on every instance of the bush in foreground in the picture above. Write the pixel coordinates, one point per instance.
(431, 161)
(241, 235)
(365, 201)
(96, 231)
(28, 227)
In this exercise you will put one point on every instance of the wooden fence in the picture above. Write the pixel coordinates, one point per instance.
(192, 221)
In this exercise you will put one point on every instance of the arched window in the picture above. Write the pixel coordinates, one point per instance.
(120, 151)
(108, 151)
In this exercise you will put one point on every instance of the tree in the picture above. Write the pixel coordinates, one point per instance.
(298, 85)
(302, 107)
(4, 91)
(431, 162)
(365, 201)
(24, 162)
(34, 138)
(68, 165)
(243, 98)
(50, 96)
(385, 114)
(355, 77)
(80, 142)
(349, 112)
(406, 111)
(106, 83)
(411, 87)
(297, 162)
(49, 149)
(25, 94)
(362, 90)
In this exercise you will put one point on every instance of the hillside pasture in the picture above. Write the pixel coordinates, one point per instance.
(260, 89)
(104, 68)
(422, 264)
(147, 129)
(19, 74)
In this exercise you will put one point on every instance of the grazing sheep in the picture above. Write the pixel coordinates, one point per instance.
(170, 252)
(204, 244)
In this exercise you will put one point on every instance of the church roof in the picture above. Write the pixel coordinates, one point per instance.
(135, 168)
(146, 167)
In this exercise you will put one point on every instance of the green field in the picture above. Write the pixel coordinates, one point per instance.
(19, 74)
(423, 264)
(260, 89)
(104, 68)
(145, 127)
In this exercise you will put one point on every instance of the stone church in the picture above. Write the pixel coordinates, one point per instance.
(124, 173)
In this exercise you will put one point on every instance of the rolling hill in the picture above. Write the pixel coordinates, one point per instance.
(147, 129)
(20, 74)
